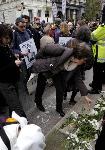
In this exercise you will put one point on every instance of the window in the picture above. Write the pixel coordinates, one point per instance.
(3, 1)
(30, 14)
(39, 13)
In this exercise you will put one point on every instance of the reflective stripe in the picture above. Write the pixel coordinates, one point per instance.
(101, 60)
(101, 44)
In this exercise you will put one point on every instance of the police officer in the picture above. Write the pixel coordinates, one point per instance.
(98, 39)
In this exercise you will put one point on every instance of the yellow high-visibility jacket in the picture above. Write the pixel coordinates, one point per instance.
(99, 36)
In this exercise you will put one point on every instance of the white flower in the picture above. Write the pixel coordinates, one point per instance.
(96, 136)
(68, 138)
(74, 114)
(73, 144)
(89, 147)
(84, 142)
(103, 103)
(93, 112)
(95, 124)
(74, 136)
(103, 108)
(97, 106)
(83, 120)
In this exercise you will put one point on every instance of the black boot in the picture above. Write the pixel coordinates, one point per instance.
(39, 105)
(74, 93)
(60, 111)
(65, 95)
(72, 102)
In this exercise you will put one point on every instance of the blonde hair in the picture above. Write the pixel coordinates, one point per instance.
(64, 28)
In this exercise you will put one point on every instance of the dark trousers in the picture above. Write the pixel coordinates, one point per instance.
(25, 74)
(9, 92)
(98, 70)
(59, 85)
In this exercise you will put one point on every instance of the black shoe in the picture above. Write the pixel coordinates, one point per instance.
(90, 84)
(62, 114)
(72, 102)
(40, 107)
(65, 96)
(93, 91)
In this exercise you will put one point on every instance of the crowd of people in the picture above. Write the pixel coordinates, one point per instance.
(64, 65)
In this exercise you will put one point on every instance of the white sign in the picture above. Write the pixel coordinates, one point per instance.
(63, 40)
(54, 9)
(63, 7)
(30, 48)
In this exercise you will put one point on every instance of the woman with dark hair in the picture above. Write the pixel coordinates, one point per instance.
(61, 64)
(9, 72)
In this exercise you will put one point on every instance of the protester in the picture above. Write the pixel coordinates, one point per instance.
(51, 62)
(46, 39)
(9, 72)
(64, 30)
(57, 30)
(72, 43)
(21, 35)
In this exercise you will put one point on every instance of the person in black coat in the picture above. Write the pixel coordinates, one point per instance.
(60, 64)
(9, 72)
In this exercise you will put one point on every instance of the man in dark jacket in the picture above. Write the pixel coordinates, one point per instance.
(61, 64)
(35, 34)
(9, 72)
(20, 35)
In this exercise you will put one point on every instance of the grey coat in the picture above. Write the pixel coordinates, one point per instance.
(51, 59)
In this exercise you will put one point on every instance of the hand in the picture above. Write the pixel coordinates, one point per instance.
(18, 62)
(88, 100)
(17, 56)
(24, 53)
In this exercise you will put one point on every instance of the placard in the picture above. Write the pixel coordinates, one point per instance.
(63, 40)
(30, 48)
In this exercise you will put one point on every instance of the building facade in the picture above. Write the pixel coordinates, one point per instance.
(74, 10)
(11, 9)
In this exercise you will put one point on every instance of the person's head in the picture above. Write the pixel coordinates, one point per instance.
(81, 51)
(80, 23)
(20, 24)
(84, 33)
(70, 26)
(64, 28)
(37, 20)
(6, 35)
(47, 29)
(26, 19)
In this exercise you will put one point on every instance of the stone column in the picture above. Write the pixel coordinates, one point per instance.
(74, 16)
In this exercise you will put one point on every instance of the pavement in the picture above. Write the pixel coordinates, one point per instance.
(48, 119)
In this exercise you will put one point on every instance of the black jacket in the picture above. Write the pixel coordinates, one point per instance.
(9, 72)
(36, 36)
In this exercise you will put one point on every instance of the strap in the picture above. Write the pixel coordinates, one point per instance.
(96, 53)
(5, 138)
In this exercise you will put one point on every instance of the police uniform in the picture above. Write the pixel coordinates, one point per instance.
(98, 36)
